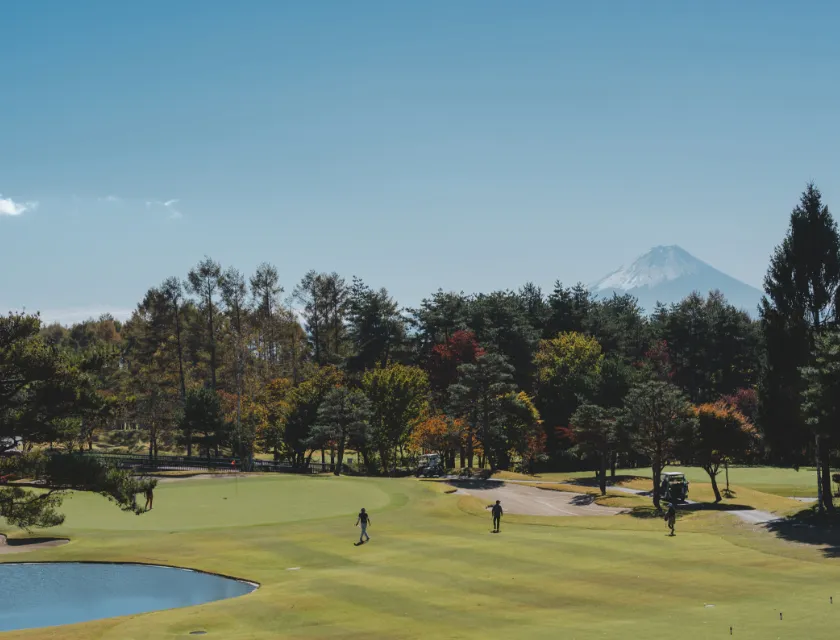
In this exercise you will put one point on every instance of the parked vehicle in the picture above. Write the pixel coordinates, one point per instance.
(674, 487)
(429, 466)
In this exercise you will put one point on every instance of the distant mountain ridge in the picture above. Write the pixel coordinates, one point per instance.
(667, 274)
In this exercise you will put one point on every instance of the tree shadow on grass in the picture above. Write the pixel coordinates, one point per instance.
(611, 482)
(811, 528)
(22, 542)
(649, 511)
(476, 484)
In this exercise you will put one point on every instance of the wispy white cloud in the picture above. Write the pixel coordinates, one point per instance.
(169, 205)
(9, 207)
(112, 199)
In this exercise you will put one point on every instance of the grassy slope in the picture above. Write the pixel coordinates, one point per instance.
(433, 570)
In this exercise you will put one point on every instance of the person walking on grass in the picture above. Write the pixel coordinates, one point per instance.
(671, 518)
(150, 497)
(363, 521)
(497, 515)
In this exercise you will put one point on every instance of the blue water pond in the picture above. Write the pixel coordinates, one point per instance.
(56, 593)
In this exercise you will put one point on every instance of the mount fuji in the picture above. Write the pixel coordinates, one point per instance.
(669, 274)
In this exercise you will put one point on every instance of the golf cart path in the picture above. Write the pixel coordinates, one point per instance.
(530, 501)
(22, 545)
(751, 516)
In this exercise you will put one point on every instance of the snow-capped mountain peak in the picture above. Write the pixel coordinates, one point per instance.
(659, 265)
(666, 275)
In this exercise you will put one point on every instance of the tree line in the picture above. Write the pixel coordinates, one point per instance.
(220, 363)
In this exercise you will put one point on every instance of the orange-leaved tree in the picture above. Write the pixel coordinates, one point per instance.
(440, 434)
(722, 433)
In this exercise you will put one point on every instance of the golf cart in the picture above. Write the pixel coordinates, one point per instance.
(429, 466)
(674, 487)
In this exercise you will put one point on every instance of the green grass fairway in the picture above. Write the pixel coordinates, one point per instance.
(222, 503)
(778, 481)
(434, 570)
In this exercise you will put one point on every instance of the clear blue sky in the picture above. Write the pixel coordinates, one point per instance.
(466, 145)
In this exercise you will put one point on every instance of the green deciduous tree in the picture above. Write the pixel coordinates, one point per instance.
(658, 418)
(302, 411)
(477, 397)
(399, 398)
(568, 367)
(201, 422)
(595, 431)
(342, 415)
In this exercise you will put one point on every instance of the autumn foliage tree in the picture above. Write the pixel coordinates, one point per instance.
(461, 348)
(441, 434)
(722, 433)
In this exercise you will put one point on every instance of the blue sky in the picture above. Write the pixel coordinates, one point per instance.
(470, 145)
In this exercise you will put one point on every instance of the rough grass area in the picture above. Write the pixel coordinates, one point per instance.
(434, 570)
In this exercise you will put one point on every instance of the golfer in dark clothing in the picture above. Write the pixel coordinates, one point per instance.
(671, 518)
(150, 498)
(497, 514)
(364, 521)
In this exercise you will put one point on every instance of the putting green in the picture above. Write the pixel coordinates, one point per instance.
(225, 502)
(433, 569)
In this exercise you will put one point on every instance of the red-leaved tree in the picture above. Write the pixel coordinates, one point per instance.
(461, 348)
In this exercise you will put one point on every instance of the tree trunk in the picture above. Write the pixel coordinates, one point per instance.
(383, 458)
(825, 466)
(189, 443)
(726, 468)
(212, 343)
(602, 477)
(338, 467)
(151, 442)
(713, 477)
(820, 504)
(180, 356)
(613, 462)
(657, 469)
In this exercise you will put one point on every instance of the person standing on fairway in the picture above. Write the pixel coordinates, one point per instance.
(497, 515)
(671, 518)
(364, 521)
(150, 497)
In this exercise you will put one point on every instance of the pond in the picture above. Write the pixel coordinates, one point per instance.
(56, 593)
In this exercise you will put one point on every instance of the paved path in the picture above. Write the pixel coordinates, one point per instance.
(751, 516)
(530, 501)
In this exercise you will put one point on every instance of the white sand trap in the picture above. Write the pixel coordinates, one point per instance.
(530, 501)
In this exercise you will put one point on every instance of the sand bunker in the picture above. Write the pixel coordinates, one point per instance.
(22, 545)
(530, 501)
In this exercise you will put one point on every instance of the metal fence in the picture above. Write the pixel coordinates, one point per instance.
(142, 462)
